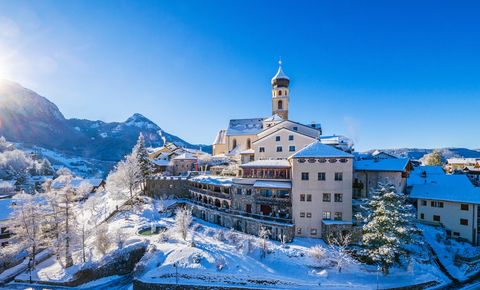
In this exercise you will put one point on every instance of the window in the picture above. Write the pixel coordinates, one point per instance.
(464, 222)
(280, 103)
(313, 232)
(291, 148)
(338, 216)
(456, 234)
(321, 176)
(302, 214)
(295, 128)
(436, 204)
(261, 149)
(279, 149)
(326, 197)
(277, 138)
(436, 218)
(424, 202)
(338, 197)
(309, 214)
(290, 137)
(304, 175)
(302, 197)
(327, 215)
(422, 216)
(343, 160)
(279, 93)
(249, 143)
(464, 206)
(309, 197)
(338, 176)
(239, 191)
(249, 192)
(299, 231)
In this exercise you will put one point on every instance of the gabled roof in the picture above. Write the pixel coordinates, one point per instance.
(317, 149)
(244, 126)
(268, 163)
(392, 165)
(280, 129)
(274, 118)
(282, 124)
(221, 137)
(185, 156)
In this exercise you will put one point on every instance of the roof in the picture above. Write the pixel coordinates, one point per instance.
(221, 137)
(212, 180)
(334, 222)
(462, 160)
(272, 184)
(280, 129)
(185, 156)
(7, 183)
(378, 152)
(268, 163)
(273, 118)
(75, 183)
(248, 151)
(160, 162)
(393, 165)
(317, 149)
(244, 126)
(280, 74)
(5, 209)
(431, 182)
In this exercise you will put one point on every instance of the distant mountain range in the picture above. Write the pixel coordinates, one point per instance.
(32, 120)
(417, 154)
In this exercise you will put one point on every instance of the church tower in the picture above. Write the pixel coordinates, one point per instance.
(280, 93)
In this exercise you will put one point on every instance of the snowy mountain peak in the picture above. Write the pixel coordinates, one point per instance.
(140, 121)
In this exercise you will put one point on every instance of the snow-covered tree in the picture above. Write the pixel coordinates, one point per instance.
(264, 235)
(63, 171)
(15, 164)
(126, 176)
(183, 219)
(27, 224)
(389, 226)
(339, 252)
(434, 158)
(45, 167)
(102, 241)
(141, 155)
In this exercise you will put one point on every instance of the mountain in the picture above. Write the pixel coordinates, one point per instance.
(417, 153)
(32, 120)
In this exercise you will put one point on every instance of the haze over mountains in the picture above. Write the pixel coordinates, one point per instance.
(30, 119)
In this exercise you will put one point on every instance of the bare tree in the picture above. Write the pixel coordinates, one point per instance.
(183, 219)
(127, 175)
(339, 249)
(264, 235)
(102, 239)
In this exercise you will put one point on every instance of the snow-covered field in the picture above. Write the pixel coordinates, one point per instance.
(215, 256)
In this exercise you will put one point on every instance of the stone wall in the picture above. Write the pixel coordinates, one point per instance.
(167, 186)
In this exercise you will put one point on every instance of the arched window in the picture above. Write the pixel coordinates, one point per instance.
(249, 143)
(280, 105)
(279, 93)
(234, 143)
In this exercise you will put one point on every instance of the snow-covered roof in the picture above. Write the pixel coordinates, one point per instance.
(272, 184)
(76, 182)
(395, 165)
(248, 151)
(274, 118)
(213, 180)
(416, 176)
(464, 161)
(454, 188)
(7, 183)
(160, 162)
(268, 163)
(317, 149)
(280, 74)
(221, 137)
(5, 209)
(244, 126)
(185, 156)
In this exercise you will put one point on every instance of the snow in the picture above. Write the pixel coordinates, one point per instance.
(445, 249)
(103, 135)
(280, 74)
(268, 163)
(272, 184)
(238, 127)
(5, 209)
(334, 222)
(392, 164)
(220, 138)
(212, 180)
(274, 118)
(185, 156)
(317, 149)
(248, 151)
(76, 182)
(437, 185)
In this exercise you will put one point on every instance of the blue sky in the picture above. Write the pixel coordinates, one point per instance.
(389, 74)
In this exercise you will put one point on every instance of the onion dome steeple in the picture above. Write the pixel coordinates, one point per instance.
(280, 79)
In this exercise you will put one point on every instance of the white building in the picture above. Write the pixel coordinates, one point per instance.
(448, 200)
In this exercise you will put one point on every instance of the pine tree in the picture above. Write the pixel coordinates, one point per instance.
(141, 154)
(434, 158)
(389, 226)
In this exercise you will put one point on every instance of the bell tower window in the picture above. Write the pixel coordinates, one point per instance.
(279, 93)
(280, 105)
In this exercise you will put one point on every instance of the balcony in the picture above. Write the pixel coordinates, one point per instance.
(211, 193)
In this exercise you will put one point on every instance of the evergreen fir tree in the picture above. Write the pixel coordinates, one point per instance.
(140, 153)
(389, 226)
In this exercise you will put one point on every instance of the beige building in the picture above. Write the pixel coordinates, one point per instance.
(280, 144)
(183, 163)
(448, 200)
(321, 190)
(368, 173)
